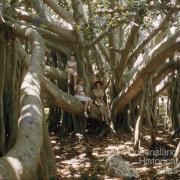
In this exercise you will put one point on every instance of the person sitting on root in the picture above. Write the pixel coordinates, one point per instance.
(98, 99)
(71, 68)
(79, 93)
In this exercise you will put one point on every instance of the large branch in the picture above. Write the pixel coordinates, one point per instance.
(90, 45)
(51, 39)
(57, 46)
(98, 38)
(64, 14)
(22, 160)
(78, 12)
(37, 21)
(101, 62)
(104, 51)
(164, 86)
(159, 55)
(138, 49)
(54, 73)
(46, 34)
(80, 20)
(124, 55)
(53, 36)
(161, 73)
(40, 9)
(56, 96)
(65, 101)
(102, 35)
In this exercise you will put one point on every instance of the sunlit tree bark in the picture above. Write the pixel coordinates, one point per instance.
(107, 45)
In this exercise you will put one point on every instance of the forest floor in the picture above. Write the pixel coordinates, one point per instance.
(85, 158)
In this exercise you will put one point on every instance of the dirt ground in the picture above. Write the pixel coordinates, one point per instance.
(85, 158)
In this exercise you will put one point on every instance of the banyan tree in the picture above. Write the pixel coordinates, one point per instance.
(134, 47)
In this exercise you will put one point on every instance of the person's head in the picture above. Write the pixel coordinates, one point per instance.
(80, 81)
(72, 57)
(98, 84)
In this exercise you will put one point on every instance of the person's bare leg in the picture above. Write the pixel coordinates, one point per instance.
(75, 80)
(106, 119)
(89, 105)
(69, 76)
(85, 108)
(102, 116)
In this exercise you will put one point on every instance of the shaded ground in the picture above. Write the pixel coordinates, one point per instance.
(79, 158)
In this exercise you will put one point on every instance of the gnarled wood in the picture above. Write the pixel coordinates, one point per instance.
(22, 160)
(36, 20)
(54, 73)
(65, 101)
(66, 15)
(159, 55)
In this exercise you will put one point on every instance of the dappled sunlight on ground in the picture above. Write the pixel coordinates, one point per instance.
(86, 158)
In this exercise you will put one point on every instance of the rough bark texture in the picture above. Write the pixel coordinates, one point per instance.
(54, 73)
(65, 101)
(74, 30)
(22, 160)
(66, 15)
(158, 56)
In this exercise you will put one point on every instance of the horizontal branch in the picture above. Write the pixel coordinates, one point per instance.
(51, 36)
(57, 46)
(65, 101)
(37, 21)
(54, 73)
(52, 40)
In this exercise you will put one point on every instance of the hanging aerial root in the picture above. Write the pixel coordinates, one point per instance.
(146, 112)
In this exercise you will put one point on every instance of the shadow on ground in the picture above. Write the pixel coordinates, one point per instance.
(85, 158)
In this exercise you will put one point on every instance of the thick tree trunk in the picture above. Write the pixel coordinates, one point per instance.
(22, 160)
(47, 161)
